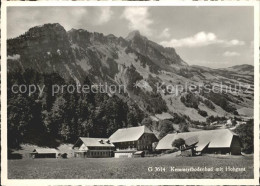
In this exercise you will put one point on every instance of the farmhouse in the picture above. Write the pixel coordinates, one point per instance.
(44, 153)
(93, 148)
(222, 141)
(130, 141)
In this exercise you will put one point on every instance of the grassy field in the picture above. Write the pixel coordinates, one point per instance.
(132, 168)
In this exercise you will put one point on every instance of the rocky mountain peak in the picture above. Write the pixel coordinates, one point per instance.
(133, 34)
(53, 30)
(38, 39)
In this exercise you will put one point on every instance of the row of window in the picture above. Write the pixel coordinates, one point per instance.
(102, 153)
(144, 147)
(133, 143)
(100, 148)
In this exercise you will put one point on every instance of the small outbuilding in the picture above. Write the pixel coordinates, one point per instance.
(139, 154)
(44, 153)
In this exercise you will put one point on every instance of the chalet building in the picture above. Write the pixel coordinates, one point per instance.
(44, 153)
(93, 148)
(222, 141)
(131, 141)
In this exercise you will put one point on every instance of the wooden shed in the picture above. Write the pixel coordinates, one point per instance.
(44, 153)
(138, 154)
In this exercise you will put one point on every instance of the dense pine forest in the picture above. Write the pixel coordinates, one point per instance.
(51, 119)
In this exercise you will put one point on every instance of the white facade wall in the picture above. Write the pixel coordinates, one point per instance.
(123, 155)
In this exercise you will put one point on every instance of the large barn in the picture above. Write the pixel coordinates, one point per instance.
(93, 148)
(222, 141)
(129, 141)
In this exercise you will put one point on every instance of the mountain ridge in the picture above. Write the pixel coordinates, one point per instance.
(134, 60)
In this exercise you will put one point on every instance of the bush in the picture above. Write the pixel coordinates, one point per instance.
(183, 127)
(246, 134)
(220, 100)
(178, 119)
(165, 127)
(178, 142)
(212, 119)
(190, 100)
(202, 113)
(235, 113)
(148, 122)
(209, 127)
(209, 104)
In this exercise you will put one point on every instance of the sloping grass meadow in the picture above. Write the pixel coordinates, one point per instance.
(130, 168)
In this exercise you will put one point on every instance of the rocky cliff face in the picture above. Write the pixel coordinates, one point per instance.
(134, 60)
(163, 57)
(40, 39)
(45, 47)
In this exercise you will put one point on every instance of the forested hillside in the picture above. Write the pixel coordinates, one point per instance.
(46, 119)
(157, 85)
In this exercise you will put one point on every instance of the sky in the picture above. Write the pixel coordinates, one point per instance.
(215, 37)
